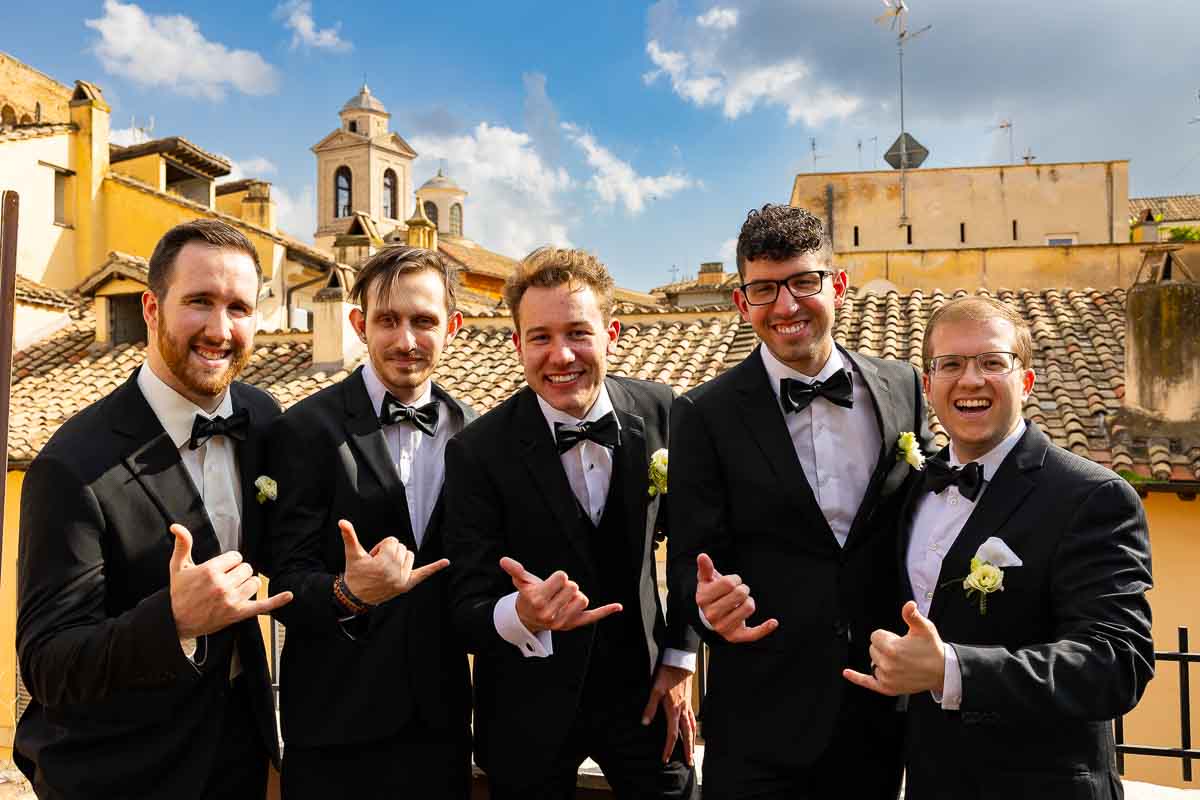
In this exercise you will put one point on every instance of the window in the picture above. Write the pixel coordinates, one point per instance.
(353, 126)
(1014, 230)
(342, 183)
(856, 236)
(431, 211)
(962, 232)
(909, 233)
(125, 321)
(456, 219)
(389, 194)
(62, 188)
(8, 115)
(1060, 239)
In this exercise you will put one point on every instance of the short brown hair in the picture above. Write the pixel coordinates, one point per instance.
(979, 309)
(548, 267)
(212, 232)
(382, 269)
(778, 233)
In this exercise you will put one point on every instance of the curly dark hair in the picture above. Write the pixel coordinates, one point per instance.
(778, 233)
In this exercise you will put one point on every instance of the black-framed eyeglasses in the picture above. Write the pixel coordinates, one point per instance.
(802, 284)
(953, 366)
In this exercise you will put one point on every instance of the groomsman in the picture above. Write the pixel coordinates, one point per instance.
(1028, 628)
(551, 528)
(375, 692)
(786, 477)
(136, 628)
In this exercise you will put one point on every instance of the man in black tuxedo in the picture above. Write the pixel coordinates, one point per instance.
(140, 645)
(551, 528)
(375, 694)
(786, 476)
(1027, 567)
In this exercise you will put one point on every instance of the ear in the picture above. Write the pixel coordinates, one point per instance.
(516, 340)
(454, 325)
(359, 322)
(743, 307)
(925, 385)
(150, 310)
(613, 332)
(1027, 380)
(841, 282)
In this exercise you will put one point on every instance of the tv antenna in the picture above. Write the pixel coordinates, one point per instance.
(674, 273)
(1006, 124)
(897, 12)
(812, 145)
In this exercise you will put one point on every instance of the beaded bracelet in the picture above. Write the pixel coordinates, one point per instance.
(347, 599)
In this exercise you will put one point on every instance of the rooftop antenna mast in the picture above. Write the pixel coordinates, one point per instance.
(1006, 124)
(897, 11)
(812, 145)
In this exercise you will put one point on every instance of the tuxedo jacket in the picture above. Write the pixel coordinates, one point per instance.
(1061, 651)
(739, 494)
(400, 663)
(509, 496)
(118, 710)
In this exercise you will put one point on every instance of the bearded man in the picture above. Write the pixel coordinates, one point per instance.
(136, 628)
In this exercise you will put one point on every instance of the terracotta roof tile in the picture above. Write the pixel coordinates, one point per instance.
(36, 131)
(35, 294)
(1173, 208)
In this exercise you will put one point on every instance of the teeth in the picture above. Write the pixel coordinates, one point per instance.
(212, 355)
(973, 404)
(790, 328)
(561, 378)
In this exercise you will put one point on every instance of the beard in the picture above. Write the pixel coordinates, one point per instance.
(176, 355)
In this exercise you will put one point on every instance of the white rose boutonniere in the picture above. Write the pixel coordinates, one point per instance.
(267, 488)
(987, 570)
(658, 472)
(909, 449)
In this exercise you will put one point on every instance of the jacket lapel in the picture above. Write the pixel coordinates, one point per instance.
(904, 535)
(249, 463)
(540, 456)
(634, 470)
(761, 415)
(155, 464)
(1001, 498)
(366, 438)
(885, 418)
(431, 548)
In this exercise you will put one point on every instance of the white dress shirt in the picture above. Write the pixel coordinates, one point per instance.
(838, 448)
(420, 460)
(937, 522)
(212, 466)
(589, 472)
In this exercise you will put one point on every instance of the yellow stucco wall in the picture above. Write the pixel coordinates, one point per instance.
(150, 169)
(1088, 200)
(8, 613)
(45, 250)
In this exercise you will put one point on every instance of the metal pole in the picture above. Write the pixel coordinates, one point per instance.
(10, 205)
(1185, 704)
(903, 142)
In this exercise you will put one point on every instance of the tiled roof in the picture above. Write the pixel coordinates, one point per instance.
(473, 258)
(35, 294)
(117, 265)
(178, 148)
(1173, 208)
(728, 281)
(1078, 334)
(35, 131)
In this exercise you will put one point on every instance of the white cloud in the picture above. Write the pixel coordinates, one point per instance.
(713, 60)
(170, 51)
(721, 19)
(516, 201)
(617, 181)
(728, 251)
(296, 214)
(254, 167)
(297, 17)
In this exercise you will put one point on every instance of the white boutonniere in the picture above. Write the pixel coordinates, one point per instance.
(658, 472)
(987, 570)
(909, 449)
(267, 488)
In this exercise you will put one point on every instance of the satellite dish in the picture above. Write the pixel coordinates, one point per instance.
(915, 153)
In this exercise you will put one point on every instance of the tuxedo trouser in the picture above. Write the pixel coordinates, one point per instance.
(608, 728)
(417, 762)
(864, 759)
(239, 770)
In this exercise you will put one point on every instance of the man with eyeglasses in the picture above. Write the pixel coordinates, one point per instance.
(1025, 568)
(786, 479)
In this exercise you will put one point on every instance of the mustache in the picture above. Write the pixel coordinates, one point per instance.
(416, 354)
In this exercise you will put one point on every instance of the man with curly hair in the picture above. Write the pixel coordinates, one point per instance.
(786, 476)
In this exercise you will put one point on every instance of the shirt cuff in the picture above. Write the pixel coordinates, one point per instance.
(679, 658)
(192, 651)
(951, 695)
(512, 630)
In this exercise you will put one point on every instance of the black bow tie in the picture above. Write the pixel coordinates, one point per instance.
(798, 395)
(424, 419)
(233, 426)
(968, 478)
(604, 432)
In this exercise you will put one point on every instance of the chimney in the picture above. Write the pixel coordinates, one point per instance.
(1162, 345)
(1146, 228)
(336, 345)
(711, 273)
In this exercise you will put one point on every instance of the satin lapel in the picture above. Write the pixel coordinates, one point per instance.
(366, 438)
(908, 510)
(431, 547)
(1002, 497)
(155, 464)
(249, 462)
(882, 399)
(536, 445)
(761, 415)
(634, 470)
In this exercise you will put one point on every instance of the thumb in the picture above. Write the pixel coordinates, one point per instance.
(918, 624)
(354, 550)
(705, 570)
(181, 556)
(516, 571)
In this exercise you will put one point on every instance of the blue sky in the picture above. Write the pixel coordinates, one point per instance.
(642, 132)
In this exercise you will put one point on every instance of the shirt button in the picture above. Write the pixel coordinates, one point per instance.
(591, 467)
(935, 548)
(953, 501)
(929, 595)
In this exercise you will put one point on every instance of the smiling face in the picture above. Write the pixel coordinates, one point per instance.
(202, 329)
(978, 410)
(563, 343)
(406, 331)
(797, 331)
